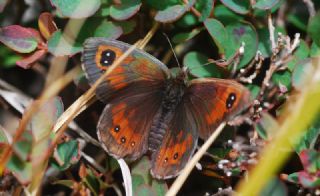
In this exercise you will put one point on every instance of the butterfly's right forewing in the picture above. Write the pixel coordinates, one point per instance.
(100, 53)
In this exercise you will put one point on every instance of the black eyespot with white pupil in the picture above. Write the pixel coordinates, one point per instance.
(107, 57)
(175, 156)
(231, 100)
(116, 129)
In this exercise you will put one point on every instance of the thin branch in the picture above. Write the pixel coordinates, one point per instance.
(271, 32)
(310, 6)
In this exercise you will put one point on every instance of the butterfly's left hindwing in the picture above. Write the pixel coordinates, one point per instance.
(179, 143)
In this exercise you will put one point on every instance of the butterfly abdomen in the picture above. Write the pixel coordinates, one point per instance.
(172, 97)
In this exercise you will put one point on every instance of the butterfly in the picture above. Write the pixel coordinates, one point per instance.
(151, 108)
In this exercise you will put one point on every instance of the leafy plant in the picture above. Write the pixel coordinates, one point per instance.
(272, 47)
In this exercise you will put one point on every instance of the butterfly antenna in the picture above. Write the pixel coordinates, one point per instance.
(175, 56)
(208, 63)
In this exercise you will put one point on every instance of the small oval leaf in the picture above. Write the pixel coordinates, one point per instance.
(217, 32)
(196, 63)
(173, 13)
(238, 6)
(125, 10)
(314, 28)
(265, 4)
(46, 24)
(20, 39)
(77, 8)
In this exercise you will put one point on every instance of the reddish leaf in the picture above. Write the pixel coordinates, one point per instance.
(20, 39)
(308, 180)
(46, 24)
(310, 160)
(29, 60)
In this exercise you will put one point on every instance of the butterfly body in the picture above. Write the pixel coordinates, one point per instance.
(150, 108)
(173, 93)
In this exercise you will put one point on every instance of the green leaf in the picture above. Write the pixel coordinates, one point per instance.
(145, 190)
(308, 139)
(275, 187)
(92, 182)
(282, 78)
(3, 136)
(41, 125)
(254, 89)
(161, 5)
(127, 26)
(314, 28)
(239, 33)
(142, 169)
(45, 118)
(188, 20)
(265, 4)
(160, 187)
(205, 8)
(67, 154)
(238, 6)
(302, 68)
(77, 8)
(67, 183)
(225, 15)
(20, 39)
(96, 26)
(218, 33)
(301, 53)
(173, 13)
(21, 170)
(137, 180)
(315, 50)
(264, 45)
(183, 37)
(61, 45)
(298, 21)
(23, 146)
(8, 57)
(108, 30)
(195, 62)
(293, 177)
(267, 126)
(125, 10)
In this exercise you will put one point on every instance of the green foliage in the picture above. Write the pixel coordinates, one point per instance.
(222, 39)
(239, 33)
(196, 61)
(314, 28)
(274, 188)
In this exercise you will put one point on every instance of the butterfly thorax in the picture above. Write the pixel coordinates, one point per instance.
(172, 96)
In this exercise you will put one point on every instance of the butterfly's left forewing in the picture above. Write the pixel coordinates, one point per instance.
(214, 101)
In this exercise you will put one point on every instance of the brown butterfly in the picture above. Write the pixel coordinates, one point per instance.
(151, 108)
